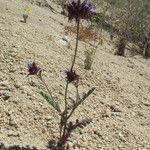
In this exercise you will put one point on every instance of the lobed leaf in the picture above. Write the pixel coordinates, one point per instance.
(84, 96)
(51, 101)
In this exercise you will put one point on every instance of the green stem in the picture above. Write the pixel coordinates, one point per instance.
(76, 47)
(74, 107)
(64, 119)
(66, 91)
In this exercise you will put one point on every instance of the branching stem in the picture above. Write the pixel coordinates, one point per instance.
(76, 47)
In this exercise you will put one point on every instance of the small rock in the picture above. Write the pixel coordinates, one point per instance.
(13, 123)
(25, 89)
(49, 118)
(13, 133)
(17, 84)
(80, 131)
(146, 103)
(65, 38)
(97, 133)
(5, 94)
(140, 114)
(70, 145)
(12, 69)
(76, 148)
(4, 85)
(121, 137)
(115, 108)
(62, 40)
(41, 104)
(106, 113)
(115, 114)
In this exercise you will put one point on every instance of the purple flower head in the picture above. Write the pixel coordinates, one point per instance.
(77, 10)
(86, 10)
(33, 69)
(71, 75)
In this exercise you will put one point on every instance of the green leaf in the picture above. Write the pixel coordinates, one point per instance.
(51, 101)
(84, 96)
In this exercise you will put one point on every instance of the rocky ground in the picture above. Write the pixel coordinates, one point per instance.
(119, 107)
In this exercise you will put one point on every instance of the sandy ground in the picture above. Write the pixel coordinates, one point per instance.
(119, 107)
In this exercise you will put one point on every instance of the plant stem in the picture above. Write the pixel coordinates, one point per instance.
(66, 91)
(64, 119)
(76, 47)
(74, 107)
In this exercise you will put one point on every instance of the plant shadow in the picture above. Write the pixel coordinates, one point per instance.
(16, 147)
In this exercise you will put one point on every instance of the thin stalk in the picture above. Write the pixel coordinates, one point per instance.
(73, 109)
(66, 91)
(76, 47)
(60, 133)
(65, 111)
(65, 118)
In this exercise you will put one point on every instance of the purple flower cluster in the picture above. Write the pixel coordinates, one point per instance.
(77, 10)
(71, 76)
(33, 69)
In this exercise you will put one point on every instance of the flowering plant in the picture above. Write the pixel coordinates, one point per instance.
(28, 10)
(75, 10)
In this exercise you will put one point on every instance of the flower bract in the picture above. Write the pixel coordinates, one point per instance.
(71, 76)
(33, 69)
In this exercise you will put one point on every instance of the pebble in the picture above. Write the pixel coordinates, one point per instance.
(106, 113)
(25, 89)
(12, 69)
(70, 145)
(146, 103)
(13, 123)
(5, 94)
(13, 133)
(49, 118)
(115, 114)
(4, 85)
(17, 84)
(5, 89)
(115, 108)
(62, 40)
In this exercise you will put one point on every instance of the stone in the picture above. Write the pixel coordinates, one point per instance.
(70, 145)
(13, 122)
(49, 118)
(13, 133)
(4, 85)
(5, 94)
(62, 41)
(12, 69)
(115, 108)
(17, 84)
